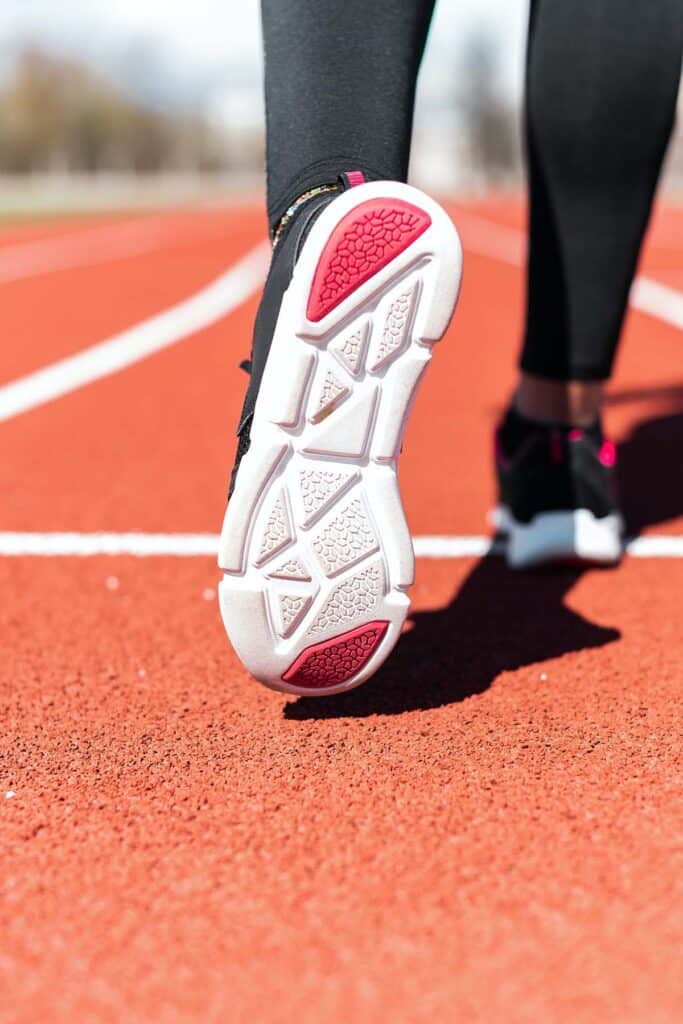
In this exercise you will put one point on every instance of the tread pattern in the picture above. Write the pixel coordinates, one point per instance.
(292, 608)
(356, 596)
(325, 550)
(333, 662)
(347, 539)
(332, 392)
(291, 569)
(320, 487)
(396, 328)
(277, 531)
(350, 349)
(364, 241)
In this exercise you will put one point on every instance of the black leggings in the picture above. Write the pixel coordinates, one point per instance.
(602, 80)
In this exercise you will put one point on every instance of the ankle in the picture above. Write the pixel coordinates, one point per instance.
(576, 403)
(298, 204)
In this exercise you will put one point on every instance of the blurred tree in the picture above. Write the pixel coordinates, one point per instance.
(59, 115)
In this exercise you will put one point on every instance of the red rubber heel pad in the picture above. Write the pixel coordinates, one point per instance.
(332, 662)
(363, 242)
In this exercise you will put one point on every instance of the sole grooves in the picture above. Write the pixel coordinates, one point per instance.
(337, 660)
(321, 534)
(364, 242)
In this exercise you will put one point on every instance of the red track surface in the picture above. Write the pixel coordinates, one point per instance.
(488, 831)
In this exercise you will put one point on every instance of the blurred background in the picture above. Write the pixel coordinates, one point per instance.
(131, 103)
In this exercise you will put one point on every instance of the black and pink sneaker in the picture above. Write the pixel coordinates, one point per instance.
(557, 494)
(315, 551)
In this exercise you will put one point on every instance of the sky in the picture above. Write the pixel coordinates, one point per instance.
(187, 54)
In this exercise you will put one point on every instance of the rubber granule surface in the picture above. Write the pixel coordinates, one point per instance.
(489, 830)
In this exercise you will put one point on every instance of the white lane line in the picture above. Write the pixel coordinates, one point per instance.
(453, 547)
(480, 235)
(659, 300)
(83, 248)
(201, 310)
(656, 546)
(191, 545)
(508, 245)
(85, 544)
(487, 238)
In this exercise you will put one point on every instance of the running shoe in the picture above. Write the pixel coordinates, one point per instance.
(315, 550)
(557, 495)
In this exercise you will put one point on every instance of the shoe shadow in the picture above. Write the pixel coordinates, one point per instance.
(499, 620)
(650, 478)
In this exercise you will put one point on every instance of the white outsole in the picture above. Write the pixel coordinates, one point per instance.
(314, 542)
(576, 535)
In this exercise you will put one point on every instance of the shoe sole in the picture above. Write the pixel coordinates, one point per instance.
(315, 550)
(560, 537)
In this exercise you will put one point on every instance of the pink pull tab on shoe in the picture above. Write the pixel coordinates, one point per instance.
(352, 178)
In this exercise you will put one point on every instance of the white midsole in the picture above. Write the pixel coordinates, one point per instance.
(324, 423)
(560, 535)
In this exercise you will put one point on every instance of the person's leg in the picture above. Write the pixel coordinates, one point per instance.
(339, 90)
(339, 82)
(602, 83)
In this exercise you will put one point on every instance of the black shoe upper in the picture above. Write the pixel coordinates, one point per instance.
(284, 258)
(550, 468)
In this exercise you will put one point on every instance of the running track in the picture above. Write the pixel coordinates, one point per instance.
(491, 830)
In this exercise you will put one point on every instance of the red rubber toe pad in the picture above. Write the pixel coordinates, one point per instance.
(363, 242)
(332, 662)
